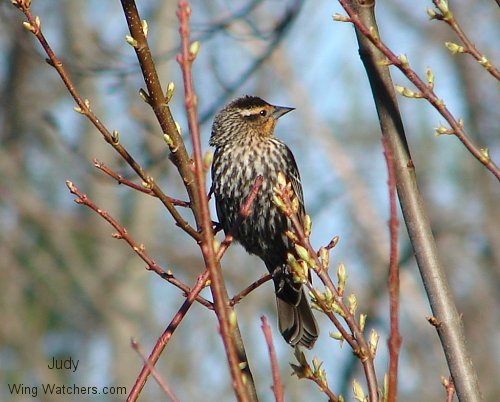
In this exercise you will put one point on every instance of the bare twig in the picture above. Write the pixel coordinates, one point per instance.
(165, 337)
(236, 299)
(315, 374)
(139, 249)
(356, 339)
(368, 31)
(393, 280)
(83, 107)
(122, 180)
(277, 387)
(235, 353)
(449, 388)
(444, 13)
(161, 382)
(450, 329)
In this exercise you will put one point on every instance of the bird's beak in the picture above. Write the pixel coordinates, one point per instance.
(280, 111)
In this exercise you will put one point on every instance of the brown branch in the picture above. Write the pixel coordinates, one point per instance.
(161, 382)
(159, 102)
(122, 180)
(418, 225)
(235, 353)
(445, 14)
(139, 249)
(368, 31)
(357, 340)
(449, 388)
(161, 343)
(237, 298)
(277, 387)
(393, 279)
(83, 107)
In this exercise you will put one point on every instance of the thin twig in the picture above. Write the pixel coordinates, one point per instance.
(235, 353)
(393, 279)
(450, 329)
(237, 298)
(425, 88)
(165, 337)
(277, 387)
(83, 107)
(122, 180)
(449, 388)
(445, 14)
(357, 340)
(139, 249)
(161, 382)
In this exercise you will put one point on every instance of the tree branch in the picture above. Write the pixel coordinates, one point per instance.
(243, 384)
(165, 337)
(393, 279)
(277, 387)
(139, 249)
(450, 328)
(367, 29)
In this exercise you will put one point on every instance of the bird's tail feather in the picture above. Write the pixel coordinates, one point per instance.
(297, 323)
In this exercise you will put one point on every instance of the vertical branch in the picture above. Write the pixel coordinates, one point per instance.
(449, 325)
(277, 385)
(157, 99)
(165, 337)
(393, 280)
(231, 337)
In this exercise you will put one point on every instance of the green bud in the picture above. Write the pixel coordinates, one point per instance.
(374, 337)
(341, 277)
(131, 41)
(307, 225)
(144, 24)
(362, 322)
(194, 48)
(358, 392)
(302, 252)
(454, 48)
(353, 303)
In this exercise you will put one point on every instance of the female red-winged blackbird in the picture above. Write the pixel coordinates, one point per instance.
(245, 148)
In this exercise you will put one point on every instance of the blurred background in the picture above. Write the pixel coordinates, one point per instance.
(68, 289)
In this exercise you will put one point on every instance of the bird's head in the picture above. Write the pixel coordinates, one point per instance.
(248, 116)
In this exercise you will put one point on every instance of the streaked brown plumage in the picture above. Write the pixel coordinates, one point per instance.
(245, 147)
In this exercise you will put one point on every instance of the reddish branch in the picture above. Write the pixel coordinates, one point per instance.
(236, 299)
(83, 108)
(161, 382)
(356, 338)
(233, 345)
(450, 329)
(165, 337)
(122, 180)
(393, 280)
(468, 45)
(139, 249)
(449, 388)
(426, 90)
(277, 387)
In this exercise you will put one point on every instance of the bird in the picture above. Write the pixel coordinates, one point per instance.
(245, 148)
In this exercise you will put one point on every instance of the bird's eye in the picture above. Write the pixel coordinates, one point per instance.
(263, 113)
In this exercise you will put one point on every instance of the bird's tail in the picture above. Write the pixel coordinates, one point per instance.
(296, 322)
